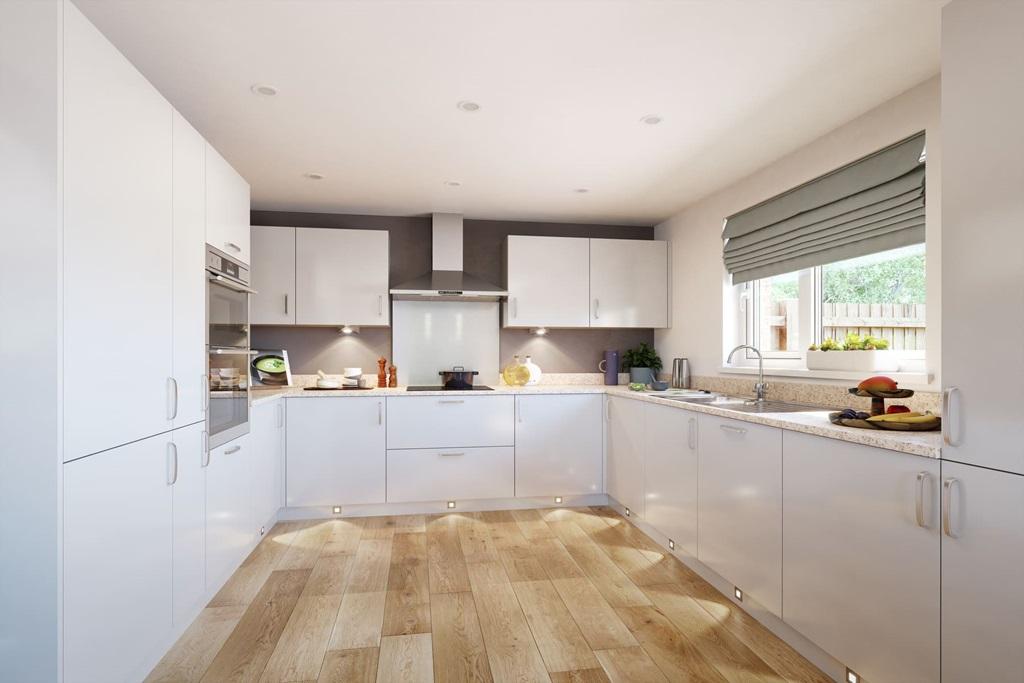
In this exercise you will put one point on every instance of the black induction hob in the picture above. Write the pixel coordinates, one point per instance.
(475, 387)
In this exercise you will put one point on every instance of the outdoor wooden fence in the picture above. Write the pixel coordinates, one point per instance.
(902, 325)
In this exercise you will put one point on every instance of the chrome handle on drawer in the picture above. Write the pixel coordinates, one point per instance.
(457, 400)
(735, 430)
(449, 455)
(922, 477)
(233, 449)
(947, 505)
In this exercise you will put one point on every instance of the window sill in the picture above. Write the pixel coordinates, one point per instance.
(909, 380)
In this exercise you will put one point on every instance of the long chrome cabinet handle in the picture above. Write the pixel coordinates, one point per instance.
(280, 415)
(458, 400)
(232, 245)
(233, 449)
(449, 455)
(922, 477)
(286, 304)
(947, 504)
(172, 398)
(948, 418)
(519, 409)
(691, 435)
(515, 307)
(205, 461)
(172, 463)
(204, 398)
(380, 305)
(597, 308)
(735, 430)
(380, 412)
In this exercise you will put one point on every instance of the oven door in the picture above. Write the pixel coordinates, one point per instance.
(228, 414)
(227, 306)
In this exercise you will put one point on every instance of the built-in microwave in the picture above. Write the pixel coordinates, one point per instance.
(227, 344)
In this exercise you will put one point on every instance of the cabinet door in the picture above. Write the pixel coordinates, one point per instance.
(189, 523)
(670, 474)
(336, 451)
(117, 561)
(117, 247)
(229, 527)
(628, 283)
(189, 273)
(982, 239)
(625, 478)
(227, 208)
(268, 472)
(539, 266)
(982, 597)
(740, 518)
(558, 445)
(861, 574)
(341, 277)
(273, 275)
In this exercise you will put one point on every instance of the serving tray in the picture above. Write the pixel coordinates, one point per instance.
(337, 388)
(930, 426)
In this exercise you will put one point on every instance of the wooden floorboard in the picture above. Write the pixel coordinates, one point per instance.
(568, 595)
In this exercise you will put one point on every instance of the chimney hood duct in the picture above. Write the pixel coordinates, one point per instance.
(447, 281)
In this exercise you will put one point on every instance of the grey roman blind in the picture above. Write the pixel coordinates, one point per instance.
(874, 204)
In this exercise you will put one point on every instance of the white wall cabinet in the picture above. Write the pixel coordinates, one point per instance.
(336, 451)
(628, 283)
(189, 274)
(117, 246)
(861, 566)
(538, 267)
(268, 437)
(670, 474)
(982, 555)
(273, 275)
(625, 475)
(117, 561)
(188, 545)
(740, 516)
(227, 208)
(559, 445)
(341, 277)
(229, 526)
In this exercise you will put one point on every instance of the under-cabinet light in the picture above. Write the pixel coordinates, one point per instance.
(738, 593)
(671, 544)
(263, 530)
(627, 512)
(348, 329)
(451, 504)
(336, 509)
(852, 677)
(539, 331)
(558, 500)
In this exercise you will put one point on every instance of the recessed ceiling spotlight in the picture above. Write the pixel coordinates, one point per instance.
(650, 119)
(453, 183)
(314, 176)
(581, 190)
(468, 105)
(263, 89)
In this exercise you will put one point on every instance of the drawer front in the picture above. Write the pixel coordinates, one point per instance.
(416, 475)
(450, 421)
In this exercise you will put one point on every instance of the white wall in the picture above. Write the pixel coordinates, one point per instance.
(699, 280)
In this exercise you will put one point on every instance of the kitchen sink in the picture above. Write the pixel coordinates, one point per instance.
(745, 405)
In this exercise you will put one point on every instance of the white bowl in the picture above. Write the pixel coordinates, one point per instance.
(352, 372)
(327, 384)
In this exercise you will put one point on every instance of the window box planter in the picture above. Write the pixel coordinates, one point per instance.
(853, 361)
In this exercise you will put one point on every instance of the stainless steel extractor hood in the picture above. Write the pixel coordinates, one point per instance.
(447, 281)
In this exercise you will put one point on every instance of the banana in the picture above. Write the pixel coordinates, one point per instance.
(893, 417)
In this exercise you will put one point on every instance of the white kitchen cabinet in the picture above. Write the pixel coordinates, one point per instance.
(229, 525)
(117, 561)
(445, 474)
(268, 437)
(336, 451)
(670, 474)
(860, 566)
(982, 239)
(189, 274)
(628, 283)
(625, 474)
(273, 275)
(188, 545)
(740, 515)
(451, 421)
(558, 445)
(117, 247)
(227, 208)
(537, 267)
(341, 277)
(982, 556)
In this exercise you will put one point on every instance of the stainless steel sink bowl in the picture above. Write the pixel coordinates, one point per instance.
(746, 405)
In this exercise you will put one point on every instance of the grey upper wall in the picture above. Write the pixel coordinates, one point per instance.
(312, 348)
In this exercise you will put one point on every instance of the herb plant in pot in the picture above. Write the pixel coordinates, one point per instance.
(642, 363)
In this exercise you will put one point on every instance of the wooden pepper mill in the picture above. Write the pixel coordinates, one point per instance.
(392, 377)
(382, 375)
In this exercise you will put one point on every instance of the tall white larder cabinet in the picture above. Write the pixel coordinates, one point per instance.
(982, 286)
(227, 208)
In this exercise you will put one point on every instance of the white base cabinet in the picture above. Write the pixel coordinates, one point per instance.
(626, 434)
(982, 557)
(229, 525)
(268, 437)
(417, 474)
(457, 421)
(861, 556)
(336, 451)
(670, 474)
(188, 549)
(558, 445)
(740, 517)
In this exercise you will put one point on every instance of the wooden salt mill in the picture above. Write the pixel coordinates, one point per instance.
(382, 375)
(392, 376)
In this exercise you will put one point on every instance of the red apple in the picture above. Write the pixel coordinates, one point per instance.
(897, 409)
(879, 383)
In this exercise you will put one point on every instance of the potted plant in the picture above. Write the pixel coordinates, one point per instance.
(854, 354)
(642, 363)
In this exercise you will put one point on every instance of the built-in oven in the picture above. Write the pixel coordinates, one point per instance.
(227, 343)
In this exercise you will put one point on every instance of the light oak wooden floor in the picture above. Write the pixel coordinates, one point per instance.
(555, 595)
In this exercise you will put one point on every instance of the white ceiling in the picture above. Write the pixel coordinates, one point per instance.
(368, 93)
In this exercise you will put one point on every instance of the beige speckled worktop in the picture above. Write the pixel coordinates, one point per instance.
(926, 444)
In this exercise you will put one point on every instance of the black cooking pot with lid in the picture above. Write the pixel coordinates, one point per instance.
(457, 378)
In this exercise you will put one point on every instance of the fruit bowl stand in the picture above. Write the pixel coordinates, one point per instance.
(878, 399)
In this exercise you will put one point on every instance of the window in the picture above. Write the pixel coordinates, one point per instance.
(882, 295)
